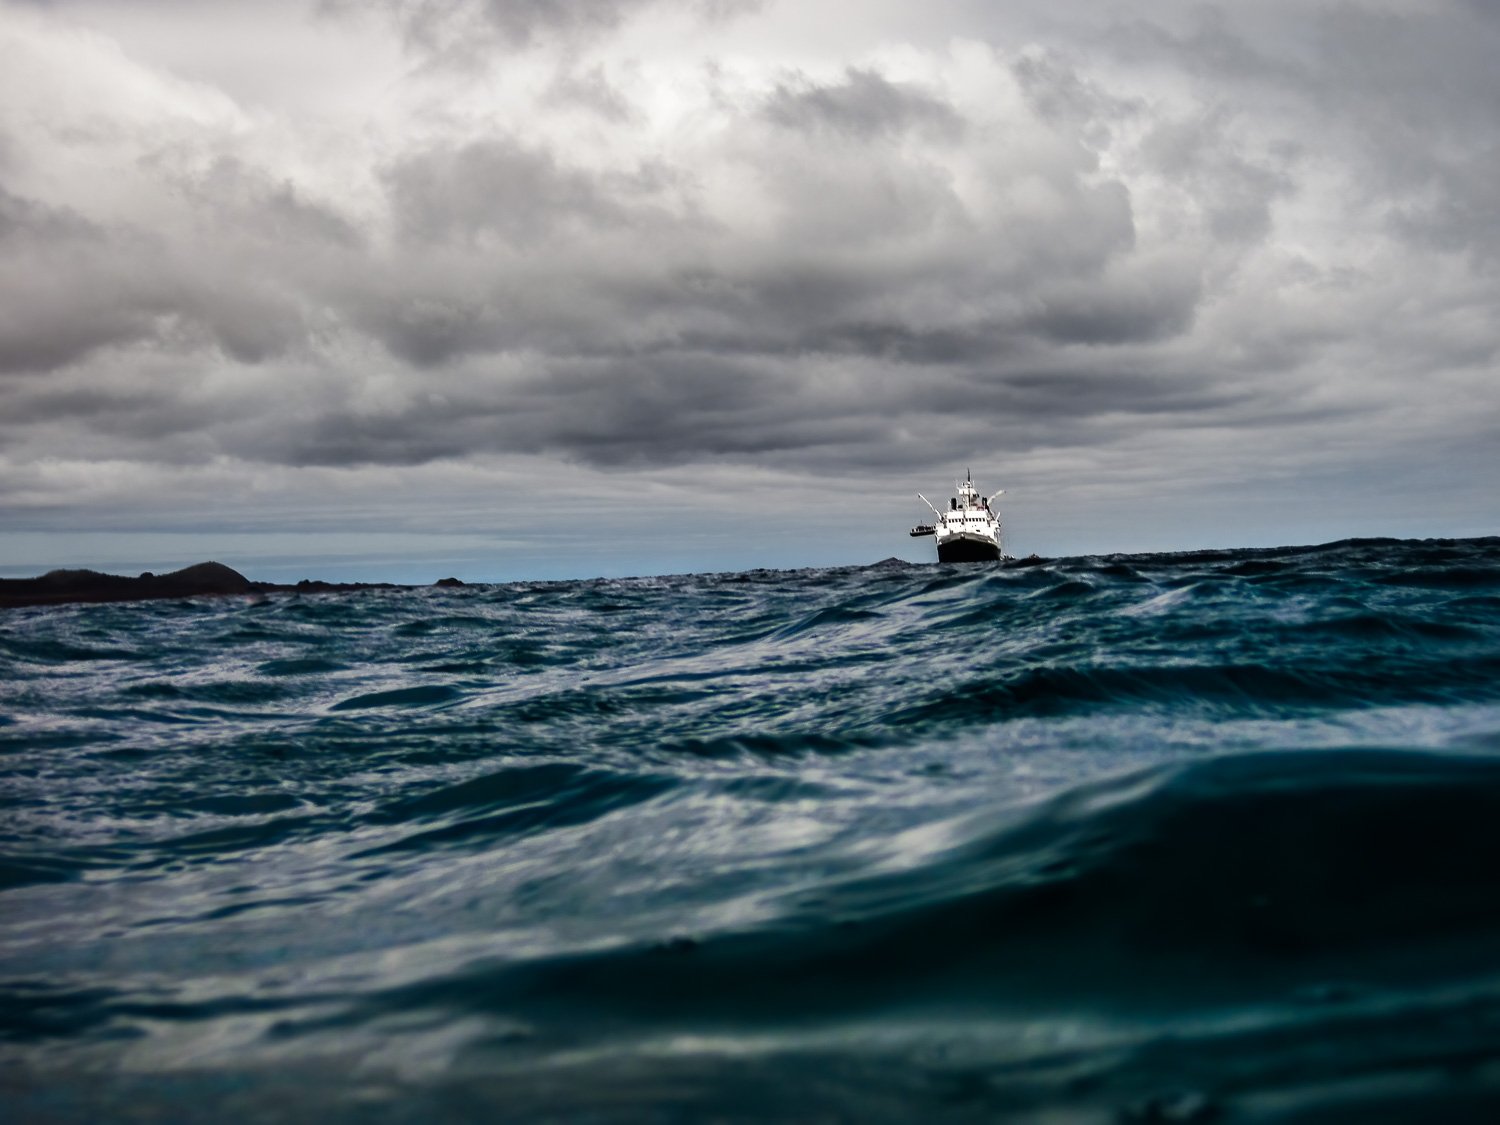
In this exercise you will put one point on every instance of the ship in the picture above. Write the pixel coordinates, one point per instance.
(969, 531)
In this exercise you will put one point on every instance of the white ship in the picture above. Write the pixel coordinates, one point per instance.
(969, 531)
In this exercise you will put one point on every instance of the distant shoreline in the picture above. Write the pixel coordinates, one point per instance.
(207, 579)
(212, 579)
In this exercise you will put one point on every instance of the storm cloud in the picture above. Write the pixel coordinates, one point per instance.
(1158, 250)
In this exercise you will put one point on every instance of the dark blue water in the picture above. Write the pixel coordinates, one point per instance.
(1156, 838)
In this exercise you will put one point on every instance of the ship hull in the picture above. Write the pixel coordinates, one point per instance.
(964, 549)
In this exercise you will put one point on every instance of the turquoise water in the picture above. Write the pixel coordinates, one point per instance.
(1207, 836)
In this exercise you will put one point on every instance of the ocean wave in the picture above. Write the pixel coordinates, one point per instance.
(1144, 837)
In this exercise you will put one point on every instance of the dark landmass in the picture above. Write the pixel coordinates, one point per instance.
(212, 579)
(59, 587)
(208, 579)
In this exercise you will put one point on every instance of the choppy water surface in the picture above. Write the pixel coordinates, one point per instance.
(1156, 838)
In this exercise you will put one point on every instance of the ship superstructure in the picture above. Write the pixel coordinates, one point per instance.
(969, 531)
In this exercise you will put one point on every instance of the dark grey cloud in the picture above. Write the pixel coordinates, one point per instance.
(1238, 191)
(498, 188)
(27, 222)
(60, 291)
(662, 410)
(1405, 98)
(468, 33)
(1422, 92)
(578, 297)
(1154, 308)
(1209, 45)
(1058, 93)
(236, 281)
(461, 30)
(248, 203)
(864, 105)
(590, 89)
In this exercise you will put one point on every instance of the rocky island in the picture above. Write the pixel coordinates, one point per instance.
(62, 587)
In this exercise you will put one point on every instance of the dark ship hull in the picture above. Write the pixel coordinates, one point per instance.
(967, 550)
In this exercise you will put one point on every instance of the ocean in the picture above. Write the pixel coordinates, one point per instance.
(1211, 836)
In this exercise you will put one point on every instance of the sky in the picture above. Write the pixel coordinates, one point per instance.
(509, 289)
